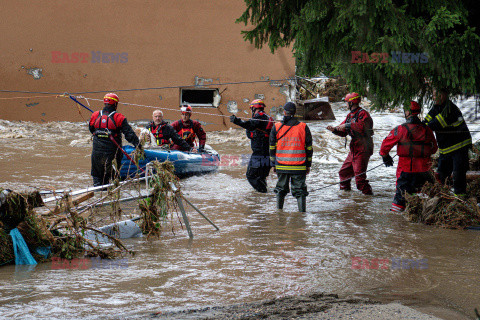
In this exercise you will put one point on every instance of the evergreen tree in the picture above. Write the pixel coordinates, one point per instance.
(430, 43)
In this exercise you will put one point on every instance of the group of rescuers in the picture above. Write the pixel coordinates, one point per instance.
(287, 146)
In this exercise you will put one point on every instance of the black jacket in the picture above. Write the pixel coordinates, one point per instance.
(256, 130)
(450, 128)
(106, 145)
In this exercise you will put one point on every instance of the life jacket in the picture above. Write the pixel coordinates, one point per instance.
(414, 144)
(106, 124)
(269, 127)
(353, 118)
(157, 131)
(187, 133)
(290, 149)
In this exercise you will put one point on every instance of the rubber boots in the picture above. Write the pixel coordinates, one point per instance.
(280, 200)
(302, 204)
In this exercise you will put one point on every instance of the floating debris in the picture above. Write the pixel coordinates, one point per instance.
(155, 209)
(334, 89)
(69, 231)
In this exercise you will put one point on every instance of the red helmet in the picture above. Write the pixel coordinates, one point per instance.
(186, 109)
(111, 98)
(352, 97)
(415, 107)
(257, 104)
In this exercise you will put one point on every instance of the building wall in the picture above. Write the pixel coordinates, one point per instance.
(165, 43)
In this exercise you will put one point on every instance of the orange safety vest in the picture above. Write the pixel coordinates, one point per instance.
(290, 149)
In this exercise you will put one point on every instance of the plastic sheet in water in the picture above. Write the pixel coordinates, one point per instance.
(120, 230)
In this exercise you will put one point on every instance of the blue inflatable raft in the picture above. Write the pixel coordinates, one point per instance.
(186, 163)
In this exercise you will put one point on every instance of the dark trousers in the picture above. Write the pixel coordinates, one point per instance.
(411, 182)
(355, 165)
(257, 172)
(455, 162)
(102, 166)
(299, 185)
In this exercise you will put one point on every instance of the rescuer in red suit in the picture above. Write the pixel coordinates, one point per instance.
(108, 125)
(415, 144)
(359, 125)
(189, 129)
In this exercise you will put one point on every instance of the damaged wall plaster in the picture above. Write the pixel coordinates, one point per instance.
(232, 106)
(199, 81)
(35, 72)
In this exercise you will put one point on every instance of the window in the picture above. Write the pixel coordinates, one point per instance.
(200, 97)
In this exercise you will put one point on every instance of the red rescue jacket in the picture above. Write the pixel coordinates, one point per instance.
(106, 124)
(189, 130)
(359, 125)
(415, 144)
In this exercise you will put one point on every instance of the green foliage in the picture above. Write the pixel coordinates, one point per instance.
(325, 33)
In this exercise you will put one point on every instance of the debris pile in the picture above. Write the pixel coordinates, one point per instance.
(67, 230)
(474, 155)
(155, 209)
(334, 89)
(436, 205)
(47, 231)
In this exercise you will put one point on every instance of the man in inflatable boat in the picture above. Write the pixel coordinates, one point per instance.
(163, 133)
(189, 129)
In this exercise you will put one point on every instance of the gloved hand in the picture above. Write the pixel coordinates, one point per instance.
(233, 118)
(201, 148)
(387, 160)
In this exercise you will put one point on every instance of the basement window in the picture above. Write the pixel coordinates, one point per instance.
(200, 97)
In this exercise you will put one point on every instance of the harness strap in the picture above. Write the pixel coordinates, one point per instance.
(285, 131)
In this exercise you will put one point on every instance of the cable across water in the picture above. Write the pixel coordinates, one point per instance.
(336, 183)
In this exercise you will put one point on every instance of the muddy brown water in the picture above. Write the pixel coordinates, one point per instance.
(259, 252)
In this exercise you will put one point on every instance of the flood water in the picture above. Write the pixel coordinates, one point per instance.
(258, 253)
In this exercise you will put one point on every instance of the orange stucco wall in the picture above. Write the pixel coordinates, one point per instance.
(159, 43)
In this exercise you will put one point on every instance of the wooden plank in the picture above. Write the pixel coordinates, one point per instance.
(84, 197)
(49, 211)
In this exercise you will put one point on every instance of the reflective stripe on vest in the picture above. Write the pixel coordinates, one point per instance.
(456, 146)
(158, 134)
(291, 146)
(299, 168)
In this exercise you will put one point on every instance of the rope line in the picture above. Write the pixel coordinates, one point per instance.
(153, 88)
(213, 114)
(49, 96)
(334, 184)
(170, 109)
